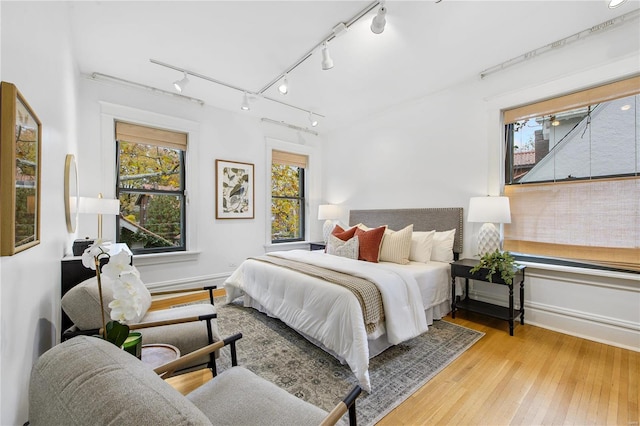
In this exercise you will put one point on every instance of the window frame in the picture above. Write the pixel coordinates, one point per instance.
(581, 98)
(303, 214)
(312, 189)
(182, 193)
(106, 173)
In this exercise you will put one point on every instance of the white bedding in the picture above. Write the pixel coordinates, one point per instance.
(305, 303)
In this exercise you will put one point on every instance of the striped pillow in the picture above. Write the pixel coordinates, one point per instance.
(396, 246)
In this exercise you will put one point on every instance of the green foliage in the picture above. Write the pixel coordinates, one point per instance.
(495, 262)
(286, 213)
(116, 333)
(145, 168)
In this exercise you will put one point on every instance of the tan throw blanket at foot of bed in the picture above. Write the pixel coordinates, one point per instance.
(365, 291)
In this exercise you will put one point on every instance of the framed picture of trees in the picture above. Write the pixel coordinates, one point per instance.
(20, 147)
(235, 198)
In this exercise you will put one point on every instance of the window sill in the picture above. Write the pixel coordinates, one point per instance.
(581, 270)
(294, 245)
(163, 258)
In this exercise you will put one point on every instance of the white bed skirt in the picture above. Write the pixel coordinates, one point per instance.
(376, 346)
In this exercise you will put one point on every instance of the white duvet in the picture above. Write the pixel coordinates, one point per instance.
(329, 313)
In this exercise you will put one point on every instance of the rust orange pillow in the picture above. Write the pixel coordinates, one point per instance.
(370, 242)
(342, 234)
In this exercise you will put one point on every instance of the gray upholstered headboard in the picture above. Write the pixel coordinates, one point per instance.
(440, 219)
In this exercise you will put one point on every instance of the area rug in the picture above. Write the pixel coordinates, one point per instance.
(274, 351)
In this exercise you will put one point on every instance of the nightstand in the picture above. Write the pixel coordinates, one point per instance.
(317, 246)
(462, 268)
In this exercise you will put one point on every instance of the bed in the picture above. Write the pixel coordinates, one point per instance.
(329, 315)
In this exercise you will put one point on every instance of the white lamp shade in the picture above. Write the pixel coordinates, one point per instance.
(328, 212)
(99, 205)
(489, 210)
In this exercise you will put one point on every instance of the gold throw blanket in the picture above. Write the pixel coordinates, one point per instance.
(366, 292)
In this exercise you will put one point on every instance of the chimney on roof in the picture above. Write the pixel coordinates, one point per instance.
(541, 146)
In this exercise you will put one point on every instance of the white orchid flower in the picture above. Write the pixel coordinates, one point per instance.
(118, 264)
(94, 251)
(127, 290)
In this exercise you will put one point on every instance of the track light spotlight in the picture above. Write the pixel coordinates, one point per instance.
(284, 86)
(181, 84)
(312, 120)
(615, 3)
(327, 62)
(379, 21)
(245, 103)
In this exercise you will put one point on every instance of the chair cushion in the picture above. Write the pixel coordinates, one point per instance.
(86, 380)
(188, 336)
(82, 303)
(239, 397)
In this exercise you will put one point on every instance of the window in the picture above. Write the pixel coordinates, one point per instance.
(287, 196)
(573, 176)
(151, 188)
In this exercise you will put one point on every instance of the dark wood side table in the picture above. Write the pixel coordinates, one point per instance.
(462, 268)
(317, 245)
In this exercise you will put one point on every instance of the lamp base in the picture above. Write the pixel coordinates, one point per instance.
(326, 229)
(488, 239)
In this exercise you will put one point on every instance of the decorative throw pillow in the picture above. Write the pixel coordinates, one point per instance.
(370, 242)
(421, 246)
(337, 247)
(342, 234)
(443, 246)
(396, 246)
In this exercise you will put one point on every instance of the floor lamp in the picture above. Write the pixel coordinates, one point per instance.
(489, 210)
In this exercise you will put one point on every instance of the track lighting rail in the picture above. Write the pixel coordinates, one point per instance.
(333, 34)
(290, 126)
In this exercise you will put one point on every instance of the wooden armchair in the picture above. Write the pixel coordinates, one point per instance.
(188, 327)
(65, 388)
(266, 403)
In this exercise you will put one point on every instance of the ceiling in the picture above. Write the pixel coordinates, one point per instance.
(426, 47)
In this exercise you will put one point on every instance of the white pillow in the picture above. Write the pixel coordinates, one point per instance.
(443, 246)
(421, 246)
(349, 248)
(396, 246)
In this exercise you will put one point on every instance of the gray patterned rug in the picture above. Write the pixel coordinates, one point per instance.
(274, 351)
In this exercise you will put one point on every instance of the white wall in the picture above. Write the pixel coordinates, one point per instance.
(41, 65)
(216, 246)
(443, 148)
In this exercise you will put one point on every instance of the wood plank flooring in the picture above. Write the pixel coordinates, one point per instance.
(536, 377)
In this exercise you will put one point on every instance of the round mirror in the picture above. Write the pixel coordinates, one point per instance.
(71, 198)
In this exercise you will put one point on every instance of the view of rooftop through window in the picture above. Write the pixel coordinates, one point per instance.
(589, 142)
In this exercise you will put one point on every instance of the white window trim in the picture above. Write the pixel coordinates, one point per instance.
(311, 184)
(109, 113)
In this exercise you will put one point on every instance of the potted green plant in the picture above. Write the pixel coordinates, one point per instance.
(497, 262)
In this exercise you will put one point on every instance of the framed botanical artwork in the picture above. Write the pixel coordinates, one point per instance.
(20, 155)
(235, 198)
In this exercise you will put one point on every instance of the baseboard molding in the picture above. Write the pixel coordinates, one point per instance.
(586, 325)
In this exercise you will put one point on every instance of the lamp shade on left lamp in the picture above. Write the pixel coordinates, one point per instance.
(328, 213)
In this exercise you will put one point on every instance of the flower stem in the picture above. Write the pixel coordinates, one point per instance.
(104, 329)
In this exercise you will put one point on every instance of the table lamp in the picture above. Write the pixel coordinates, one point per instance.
(99, 206)
(328, 213)
(489, 210)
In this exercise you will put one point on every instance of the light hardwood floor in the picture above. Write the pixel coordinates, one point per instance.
(536, 377)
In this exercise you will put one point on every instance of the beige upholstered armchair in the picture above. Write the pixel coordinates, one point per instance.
(65, 388)
(187, 327)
